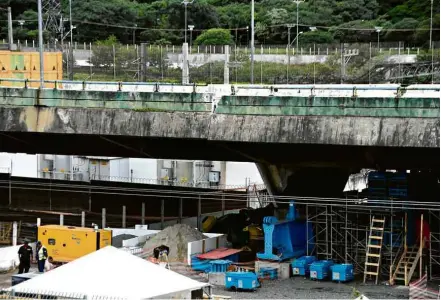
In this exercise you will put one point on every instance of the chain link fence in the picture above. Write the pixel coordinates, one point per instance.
(273, 64)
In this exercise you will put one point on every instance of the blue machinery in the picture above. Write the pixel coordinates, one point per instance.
(287, 238)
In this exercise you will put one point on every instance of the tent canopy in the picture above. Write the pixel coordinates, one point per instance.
(110, 272)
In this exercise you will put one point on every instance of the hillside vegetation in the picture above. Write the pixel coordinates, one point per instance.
(155, 20)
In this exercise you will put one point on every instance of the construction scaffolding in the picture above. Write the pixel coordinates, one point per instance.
(341, 230)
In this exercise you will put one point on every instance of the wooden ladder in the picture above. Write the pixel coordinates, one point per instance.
(373, 251)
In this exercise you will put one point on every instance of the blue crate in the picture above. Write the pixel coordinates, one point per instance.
(301, 265)
(202, 265)
(268, 273)
(241, 281)
(219, 265)
(342, 272)
(320, 269)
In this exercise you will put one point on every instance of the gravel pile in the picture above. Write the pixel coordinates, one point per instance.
(117, 241)
(175, 237)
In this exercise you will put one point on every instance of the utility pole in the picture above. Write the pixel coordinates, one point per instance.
(431, 24)
(40, 43)
(288, 52)
(186, 3)
(252, 43)
(71, 42)
(10, 36)
(297, 2)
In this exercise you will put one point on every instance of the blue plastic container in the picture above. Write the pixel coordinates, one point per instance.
(342, 272)
(320, 269)
(268, 273)
(202, 265)
(301, 265)
(219, 265)
(241, 280)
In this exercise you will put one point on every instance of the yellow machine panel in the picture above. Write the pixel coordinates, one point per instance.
(66, 243)
(26, 65)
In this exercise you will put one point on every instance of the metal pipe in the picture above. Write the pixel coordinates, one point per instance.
(40, 42)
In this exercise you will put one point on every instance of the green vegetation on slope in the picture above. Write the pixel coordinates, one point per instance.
(154, 18)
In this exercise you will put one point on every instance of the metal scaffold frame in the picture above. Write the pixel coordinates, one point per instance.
(340, 232)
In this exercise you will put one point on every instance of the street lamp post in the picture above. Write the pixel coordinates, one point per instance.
(134, 34)
(186, 3)
(288, 51)
(297, 2)
(191, 27)
(252, 43)
(289, 47)
(378, 30)
(21, 23)
(431, 23)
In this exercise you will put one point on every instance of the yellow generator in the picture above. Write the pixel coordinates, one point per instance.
(66, 243)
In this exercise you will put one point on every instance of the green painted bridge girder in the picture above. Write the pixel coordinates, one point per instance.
(330, 106)
(236, 105)
(104, 99)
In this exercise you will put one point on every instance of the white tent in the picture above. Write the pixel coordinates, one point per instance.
(112, 273)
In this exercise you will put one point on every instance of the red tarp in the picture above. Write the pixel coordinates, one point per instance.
(218, 253)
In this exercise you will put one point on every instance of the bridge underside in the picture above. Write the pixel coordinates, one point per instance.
(291, 151)
(286, 168)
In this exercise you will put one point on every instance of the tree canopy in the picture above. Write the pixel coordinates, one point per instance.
(163, 21)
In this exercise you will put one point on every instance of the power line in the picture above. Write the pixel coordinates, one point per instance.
(244, 28)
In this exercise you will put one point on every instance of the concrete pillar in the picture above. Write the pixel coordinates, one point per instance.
(143, 213)
(124, 216)
(185, 75)
(199, 213)
(83, 219)
(226, 66)
(38, 222)
(103, 218)
(14, 233)
(180, 210)
(61, 220)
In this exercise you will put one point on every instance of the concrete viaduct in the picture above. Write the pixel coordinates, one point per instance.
(305, 140)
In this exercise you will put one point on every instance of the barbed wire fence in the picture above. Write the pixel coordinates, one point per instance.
(273, 64)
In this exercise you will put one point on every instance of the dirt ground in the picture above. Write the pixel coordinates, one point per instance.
(301, 288)
(6, 278)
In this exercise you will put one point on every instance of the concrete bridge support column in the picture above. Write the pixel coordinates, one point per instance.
(305, 181)
(226, 67)
(185, 75)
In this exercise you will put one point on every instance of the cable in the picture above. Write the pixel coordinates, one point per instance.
(242, 197)
(244, 28)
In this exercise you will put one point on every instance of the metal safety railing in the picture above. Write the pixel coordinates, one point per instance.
(118, 85)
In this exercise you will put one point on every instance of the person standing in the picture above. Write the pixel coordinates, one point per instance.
(25, 256)
(41, 256)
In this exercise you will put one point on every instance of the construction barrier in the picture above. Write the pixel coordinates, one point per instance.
(419, 290)
(26, 65)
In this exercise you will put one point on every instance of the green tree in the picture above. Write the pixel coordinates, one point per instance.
(316, 37)
(215, 36)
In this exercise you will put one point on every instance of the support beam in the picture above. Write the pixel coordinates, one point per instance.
(143, 213)
(103, 218)
(83, 219)
(124, 216)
